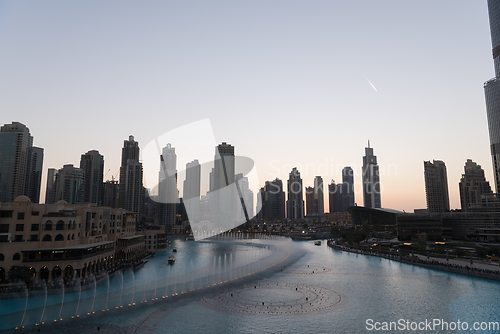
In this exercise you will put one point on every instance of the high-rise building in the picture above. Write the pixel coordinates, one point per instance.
(168, 193)
(273, 201)
(335, 196)
(18, 175)
(68, 184)
(134, 190)
(472, 185)
(35, 174)
(295, 202)
(492, 91)
(50, 190)
(223, 193)
(110, 197)
(244, 200)
(371, 180)
(130, 151)
(191, 190)
(348, 188)
(319, 198)
(310, 202)
(436, 186)
(92, 164)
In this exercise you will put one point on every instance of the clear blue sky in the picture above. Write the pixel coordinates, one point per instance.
(286, 82)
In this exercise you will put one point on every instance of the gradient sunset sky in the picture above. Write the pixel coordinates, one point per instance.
(288, 83)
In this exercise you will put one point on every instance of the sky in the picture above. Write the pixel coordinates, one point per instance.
(288, 83)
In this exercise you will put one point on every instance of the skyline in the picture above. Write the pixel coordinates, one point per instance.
(298, 80)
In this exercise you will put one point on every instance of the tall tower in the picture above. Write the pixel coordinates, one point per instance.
(92, 164)
(335, 196)
(348, 188)
(472, 185)
(223, 195)
(50, 190)
(131, 191)
(167, 187)
(371, 180)
(319, 198)
(35, 174)
(492, 91)
(130, 151)
(295, 202)
(436, 186)
(244, 202)
(191, 190)
(273, 201)
(68, 185)
(15, 151)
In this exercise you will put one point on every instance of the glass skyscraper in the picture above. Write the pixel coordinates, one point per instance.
(492, 91)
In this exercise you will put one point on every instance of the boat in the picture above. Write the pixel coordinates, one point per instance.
(174, 250)
(171, 259)
(317, 243)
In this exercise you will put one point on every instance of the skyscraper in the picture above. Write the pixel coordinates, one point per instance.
(130, 150)
(68, 184)
(348, 188)
(92, 164)
(319, 198)
(472, 185)
(273, 201)
(244, 201)
(436, 186)
(131, 190)
(310, 202)
(18, 176)
(50, 190)
(223, 193)
(335, 196)
(492, 91)
(295, 202)
(191, 190)
(371, 180)
(35, 174)
(168, 193)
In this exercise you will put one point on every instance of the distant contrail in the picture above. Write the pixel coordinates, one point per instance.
(372, 85)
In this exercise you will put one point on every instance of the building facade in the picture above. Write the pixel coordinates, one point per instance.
(65, 240)
(168, 195)
(92, 165)
(492, 91)
(473, 185)
(436, 186)
(130, 151)
(20, 163)
(295, 202)
(371, 180)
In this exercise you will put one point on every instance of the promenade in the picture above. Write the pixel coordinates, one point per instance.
(454, 265)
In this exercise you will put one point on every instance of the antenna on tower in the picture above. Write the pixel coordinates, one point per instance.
(368, 143)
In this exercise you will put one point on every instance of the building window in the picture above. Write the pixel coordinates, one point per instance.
(47, 237)
(48, 226)
(5, 214)
(60, 225)
(2, 257)
(20, 215)
(19, 227)
(34, 237)
(18, 237)
(59, 237)
(4, 228)
(16, 257)
(35, 213)
(35, 227)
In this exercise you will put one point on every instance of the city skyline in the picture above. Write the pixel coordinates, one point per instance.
(298, 62)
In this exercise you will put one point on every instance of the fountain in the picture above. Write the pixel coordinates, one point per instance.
(231, 257)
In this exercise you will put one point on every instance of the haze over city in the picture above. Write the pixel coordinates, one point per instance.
(287, 83)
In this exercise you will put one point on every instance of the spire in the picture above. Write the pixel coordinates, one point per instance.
(368, 143)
